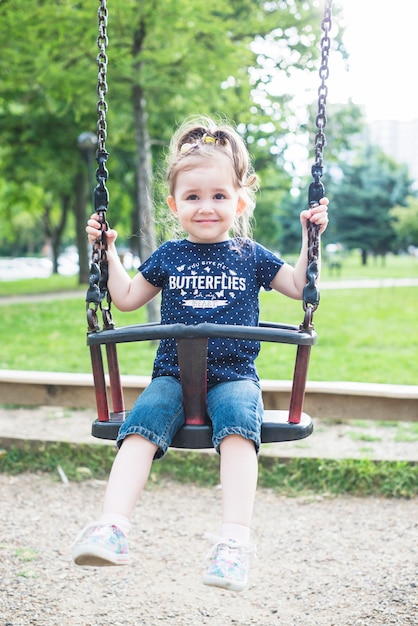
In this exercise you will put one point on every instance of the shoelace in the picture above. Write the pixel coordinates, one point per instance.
(92, 524)
(246, 548)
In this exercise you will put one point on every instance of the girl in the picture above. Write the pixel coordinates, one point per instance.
(208, 276)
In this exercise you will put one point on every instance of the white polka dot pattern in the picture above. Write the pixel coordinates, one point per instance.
(216, 283)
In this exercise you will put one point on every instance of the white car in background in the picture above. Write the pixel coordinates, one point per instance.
(39, 267)
(25, 267)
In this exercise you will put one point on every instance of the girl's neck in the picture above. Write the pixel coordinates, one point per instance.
(208, 243)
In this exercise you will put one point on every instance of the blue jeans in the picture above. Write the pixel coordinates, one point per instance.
(234, 408)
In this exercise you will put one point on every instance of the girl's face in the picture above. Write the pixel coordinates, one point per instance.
(206, 200)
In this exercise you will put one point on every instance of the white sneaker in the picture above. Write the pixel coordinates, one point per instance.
(229, 565)
(100, 545)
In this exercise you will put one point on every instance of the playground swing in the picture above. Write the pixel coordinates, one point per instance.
(192, 340)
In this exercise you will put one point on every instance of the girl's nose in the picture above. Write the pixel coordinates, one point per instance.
(206, 206)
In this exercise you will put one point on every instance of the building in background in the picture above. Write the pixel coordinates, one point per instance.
(398, 139)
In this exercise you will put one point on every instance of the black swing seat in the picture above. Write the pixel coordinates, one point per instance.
(275, 428)
(196, 433)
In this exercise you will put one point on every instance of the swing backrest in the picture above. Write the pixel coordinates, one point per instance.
(192, 342)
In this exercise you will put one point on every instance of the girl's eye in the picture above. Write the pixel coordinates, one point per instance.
(192, 196)
(219, 196)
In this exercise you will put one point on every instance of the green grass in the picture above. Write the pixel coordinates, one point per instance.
(357, 436)
(291, 478)
(367, 335)
(402, 432)
(406, 432)
(377, 268)
(26, 554)
(364, 335)
(40, 285)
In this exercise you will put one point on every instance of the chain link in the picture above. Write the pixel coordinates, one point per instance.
(97, 292)
(102, 42)
(316, 188)
(321, 118)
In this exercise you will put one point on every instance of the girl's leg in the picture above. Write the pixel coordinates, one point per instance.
(128, 476)
(158, 413)
(229, 564)
(236, 411)
(146, 434)
(105, 542)
(239, 473)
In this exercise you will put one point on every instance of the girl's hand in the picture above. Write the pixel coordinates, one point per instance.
(318, 214)
(93, 230)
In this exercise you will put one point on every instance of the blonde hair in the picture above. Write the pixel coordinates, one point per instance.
(202, 137)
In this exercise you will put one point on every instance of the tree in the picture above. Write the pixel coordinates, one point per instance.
(371, 185)
(405, 223)
(166, 59)
(205, 63)
(38, 120)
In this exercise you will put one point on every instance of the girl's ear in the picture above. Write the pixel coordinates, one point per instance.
(172, 204)
(241, 206)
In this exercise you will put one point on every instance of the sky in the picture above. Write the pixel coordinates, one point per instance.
(381, 39)
(380, 75)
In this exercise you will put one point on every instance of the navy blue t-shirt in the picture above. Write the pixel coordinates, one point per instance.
(216, 283)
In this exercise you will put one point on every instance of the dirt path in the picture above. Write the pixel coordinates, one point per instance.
(321, 562)
(331, 440)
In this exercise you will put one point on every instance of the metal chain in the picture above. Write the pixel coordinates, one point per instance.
(102, 42)
(98, 292)
(316, 188)
(321, 118)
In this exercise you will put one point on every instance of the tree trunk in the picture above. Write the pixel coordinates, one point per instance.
(58, 231)
(53, 235)
(364, 256)
(144, 218)
(80, 205)
(144, 202)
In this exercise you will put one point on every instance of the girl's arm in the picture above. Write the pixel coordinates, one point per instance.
(128, 294)
(289, 280)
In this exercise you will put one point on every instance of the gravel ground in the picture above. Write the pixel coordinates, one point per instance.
(321, 561)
